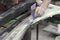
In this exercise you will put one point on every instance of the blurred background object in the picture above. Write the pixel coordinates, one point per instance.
(56, 2)
(7, 4)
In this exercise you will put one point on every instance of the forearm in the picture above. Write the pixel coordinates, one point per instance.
(45, 3)
(42, 7)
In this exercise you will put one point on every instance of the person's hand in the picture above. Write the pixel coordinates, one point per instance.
(39, 11)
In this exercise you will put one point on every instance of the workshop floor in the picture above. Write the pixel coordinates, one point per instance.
(42, 35)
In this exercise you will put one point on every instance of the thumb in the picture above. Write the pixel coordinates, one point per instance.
(36, 11)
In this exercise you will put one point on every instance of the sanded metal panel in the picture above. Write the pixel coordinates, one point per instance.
(18, 32)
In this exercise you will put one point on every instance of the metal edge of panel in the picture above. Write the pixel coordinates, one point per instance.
(18, 32)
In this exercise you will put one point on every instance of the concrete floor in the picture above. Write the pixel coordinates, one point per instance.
(42, 35)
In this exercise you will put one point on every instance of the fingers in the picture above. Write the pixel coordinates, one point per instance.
(39, 11)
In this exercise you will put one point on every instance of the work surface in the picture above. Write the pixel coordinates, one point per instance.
(18, 32)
